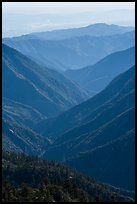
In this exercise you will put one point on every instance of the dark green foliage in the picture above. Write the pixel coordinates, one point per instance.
(8, 192)
(30, 179)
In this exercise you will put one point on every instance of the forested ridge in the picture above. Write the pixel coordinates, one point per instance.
(29, 178)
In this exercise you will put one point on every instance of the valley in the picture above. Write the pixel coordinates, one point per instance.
(68, 115)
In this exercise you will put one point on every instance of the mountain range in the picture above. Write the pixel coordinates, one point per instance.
(87, 110)
(99, 122)
(37, 91)
(98, 29)
(73, 52)
(69, 95)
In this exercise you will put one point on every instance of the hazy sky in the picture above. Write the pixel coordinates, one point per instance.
(62, 7)
(25, 17)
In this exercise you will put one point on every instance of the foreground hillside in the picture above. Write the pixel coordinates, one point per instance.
(32, 179)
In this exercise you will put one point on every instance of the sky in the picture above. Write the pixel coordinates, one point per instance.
(63, 7)
(25, 17)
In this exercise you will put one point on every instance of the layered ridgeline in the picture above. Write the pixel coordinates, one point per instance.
(96, 77)
(76, 50)
(88, 110)
(19, 139)
(31, 92)
(98, 29)
(96, 126)
(31, 179)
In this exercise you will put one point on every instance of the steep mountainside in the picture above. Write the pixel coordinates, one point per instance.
(91, 135)
(116, 97)
(20, 114)
(96, 77)
(112, 163)
(45, 91)
(32, 179)
(20, 139)
(72, 53)
(98, 128)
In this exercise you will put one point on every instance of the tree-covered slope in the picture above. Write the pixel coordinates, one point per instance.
(32, 179)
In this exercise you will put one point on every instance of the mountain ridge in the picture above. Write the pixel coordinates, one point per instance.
(79, 51)
(79, 113)
(96, 125)
(45, 90)
(96, 77)
(92, 29)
